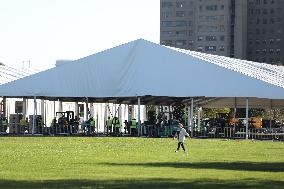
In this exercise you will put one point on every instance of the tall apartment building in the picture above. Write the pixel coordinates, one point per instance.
(223, 27)
(265, 31)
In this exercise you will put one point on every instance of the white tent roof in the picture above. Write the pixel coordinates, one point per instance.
(142, 68)
(8, 73)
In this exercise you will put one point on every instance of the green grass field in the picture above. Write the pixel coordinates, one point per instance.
(90, 162)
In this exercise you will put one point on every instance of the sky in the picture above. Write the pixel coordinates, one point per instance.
(43, 31)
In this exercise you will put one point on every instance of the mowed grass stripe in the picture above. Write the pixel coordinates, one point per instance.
(105, 162)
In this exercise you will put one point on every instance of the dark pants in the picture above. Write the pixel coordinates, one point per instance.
(117, 131)
(180, 144)
(109, 129)
(133, 131)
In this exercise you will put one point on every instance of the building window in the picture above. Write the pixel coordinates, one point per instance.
(212, 7)
(211, 38)
(278, 51)
(271, 11)
(271, 51)
(257, 41)
(180, 4)
(222, 38)
(257, 21)
(167, 23)
(167, 33)
(180, 14)
(200, 8)
(174, 23)
(278, 40)
(271, 41)
(166, 14)
(200, 48)
(257, 51)
(167, 42)
(222, 7)
(213, 29)
(264, 41)
(181, 33)
(200, 38)
(264, 11)
(180, 23)
(221, 48)
(210, 48)
(263, 51)
(257, 31)
(167, 4)
(191, 42)
(180, 42)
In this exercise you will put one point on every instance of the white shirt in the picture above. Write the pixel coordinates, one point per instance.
(181, 135)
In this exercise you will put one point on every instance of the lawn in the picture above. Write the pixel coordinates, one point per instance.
(91, 162)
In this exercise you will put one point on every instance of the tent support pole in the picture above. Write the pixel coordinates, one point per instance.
(34, 121)
(24, 107)
(270, 115)
(247, 107)
(60, 106)
(235, 107)
(191, 117)
(86, 110)
(139, 121)
(188, 116)
(76, 109)
(4, 107)
(54, 111)
(235, 112)
(199, 119)
(42, 110)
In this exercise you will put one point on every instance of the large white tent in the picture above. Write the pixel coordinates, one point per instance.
(144, 69)
(156, 75)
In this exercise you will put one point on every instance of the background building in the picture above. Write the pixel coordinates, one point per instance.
(265, 31)
(224, 27)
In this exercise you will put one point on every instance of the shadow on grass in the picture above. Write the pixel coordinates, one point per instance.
(235, 166)
(143, 184)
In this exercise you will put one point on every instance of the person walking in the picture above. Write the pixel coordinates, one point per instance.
(109, 125)
(180, 134)
(116, 125)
